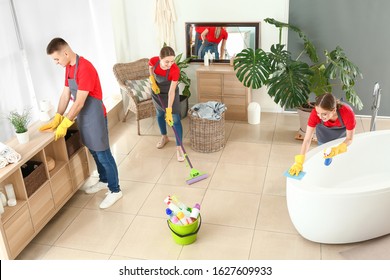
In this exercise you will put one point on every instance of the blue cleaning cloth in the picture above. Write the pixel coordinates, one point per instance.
(299, 177)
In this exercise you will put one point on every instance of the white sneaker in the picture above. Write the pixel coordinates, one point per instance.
(110, 199)
(96, 187)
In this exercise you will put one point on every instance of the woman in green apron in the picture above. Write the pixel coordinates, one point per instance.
(331, 120)
(164, 76)
(82, 85)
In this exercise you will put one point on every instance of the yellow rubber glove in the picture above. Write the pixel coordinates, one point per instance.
(53, 124)
(297, 166)
(63, 128)
(155, 87)
(342, 148)
(168, 116)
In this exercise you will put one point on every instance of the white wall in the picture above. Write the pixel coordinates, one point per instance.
(140, 32)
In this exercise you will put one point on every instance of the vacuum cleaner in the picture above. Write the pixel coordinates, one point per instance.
(195, 174)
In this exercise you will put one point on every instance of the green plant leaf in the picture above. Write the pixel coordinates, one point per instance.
(252, 67)
(290, 85)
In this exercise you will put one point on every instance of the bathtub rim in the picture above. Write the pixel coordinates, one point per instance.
(300, 184)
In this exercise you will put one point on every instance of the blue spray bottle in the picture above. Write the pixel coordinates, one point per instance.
(327, 161)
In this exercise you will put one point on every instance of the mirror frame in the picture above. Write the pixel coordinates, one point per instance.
(256, 25)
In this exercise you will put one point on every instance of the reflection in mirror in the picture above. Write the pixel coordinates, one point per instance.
(224, 39)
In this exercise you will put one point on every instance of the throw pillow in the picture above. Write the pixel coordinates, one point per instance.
(141, 89)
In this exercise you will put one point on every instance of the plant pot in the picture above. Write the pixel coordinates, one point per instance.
(183, 106)
(23, 138)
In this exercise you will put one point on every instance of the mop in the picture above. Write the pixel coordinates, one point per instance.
(375, 105)
(195, 175)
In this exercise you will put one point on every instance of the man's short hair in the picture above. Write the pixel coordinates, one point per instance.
(55, 45)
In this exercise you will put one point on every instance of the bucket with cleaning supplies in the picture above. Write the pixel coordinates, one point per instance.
(185, 234)
(184, 222)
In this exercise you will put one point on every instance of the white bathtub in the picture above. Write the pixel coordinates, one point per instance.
(349, 200)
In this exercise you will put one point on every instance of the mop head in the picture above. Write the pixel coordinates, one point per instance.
(196, 176)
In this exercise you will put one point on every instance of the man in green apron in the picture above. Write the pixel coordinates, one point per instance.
(82, 85)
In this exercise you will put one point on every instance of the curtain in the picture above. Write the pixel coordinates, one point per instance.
(164, 18)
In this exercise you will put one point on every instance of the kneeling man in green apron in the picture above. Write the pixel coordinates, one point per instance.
(82, 85)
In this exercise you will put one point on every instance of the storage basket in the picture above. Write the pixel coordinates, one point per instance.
(206, 136)
(73, 141)
(34, 175)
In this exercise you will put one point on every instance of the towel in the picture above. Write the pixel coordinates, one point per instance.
(8, 154)
(210, 110)
(3, 162)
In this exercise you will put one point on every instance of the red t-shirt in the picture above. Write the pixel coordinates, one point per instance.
(346, 113)
(200, 29)
(87, 79)
(174, 73)
(211, 35)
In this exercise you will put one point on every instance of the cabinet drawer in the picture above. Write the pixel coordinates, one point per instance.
(79, 168)
(19, 230)
(209, 84)
(61, 185)
(232, 86)
(41, 206)
(236, 108)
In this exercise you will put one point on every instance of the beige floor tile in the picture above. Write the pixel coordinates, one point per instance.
(123, 139)
(230, 208)
(195, 154)
(154, 205)
(237, 177)
(148, 238)
(80, 199)
(212, 240)
(34, 251)
(282, 246)
(283, 155)
(268, 118)
(96, 231)
(287, 120)
(332, 251)
(57, 225)
(275, 182)
(142, 169)
(246, 153)
(252, 133)
(147, 148)
(273, 215)
(59, 253)
(134, 195)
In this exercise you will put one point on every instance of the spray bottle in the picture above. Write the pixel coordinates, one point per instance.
(327, 161)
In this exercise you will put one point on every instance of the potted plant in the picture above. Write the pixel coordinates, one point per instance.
(20, 122)
(291, 81)
(186, 81)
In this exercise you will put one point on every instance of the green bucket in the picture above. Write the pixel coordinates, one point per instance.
(185, 234)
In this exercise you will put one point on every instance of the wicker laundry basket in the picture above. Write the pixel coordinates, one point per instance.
(206, 136)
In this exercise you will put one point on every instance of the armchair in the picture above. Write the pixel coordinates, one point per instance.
(136, 70)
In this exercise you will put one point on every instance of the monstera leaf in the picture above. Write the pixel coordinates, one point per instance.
(252, 67)
(290, 84)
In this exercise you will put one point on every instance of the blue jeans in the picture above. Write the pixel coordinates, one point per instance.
(107, 169)
(176, 124)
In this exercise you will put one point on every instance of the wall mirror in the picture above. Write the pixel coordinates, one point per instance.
(240, 35)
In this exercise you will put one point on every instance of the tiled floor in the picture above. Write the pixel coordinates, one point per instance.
(243, 203)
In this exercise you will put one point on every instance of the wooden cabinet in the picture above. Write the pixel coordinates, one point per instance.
(219, 83)
(19, 224)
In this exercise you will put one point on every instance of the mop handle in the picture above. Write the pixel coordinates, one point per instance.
(176, 136)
